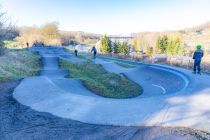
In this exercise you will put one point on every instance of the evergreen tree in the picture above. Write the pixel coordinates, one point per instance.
(124, 48)
(116, 47)
(158, 44)
(106, 46)
(175, 47)
(162, 44)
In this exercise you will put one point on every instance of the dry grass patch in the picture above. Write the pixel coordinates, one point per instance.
(16, 64)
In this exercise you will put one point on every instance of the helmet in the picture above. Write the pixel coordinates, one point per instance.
(198, 46)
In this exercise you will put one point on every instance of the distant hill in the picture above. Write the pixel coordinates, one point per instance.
(198, 35)
(199, 28)
(190, 36)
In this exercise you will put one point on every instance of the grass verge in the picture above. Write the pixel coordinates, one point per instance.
(87, 57)
(16, 64)
(101, 82)
(124, 65)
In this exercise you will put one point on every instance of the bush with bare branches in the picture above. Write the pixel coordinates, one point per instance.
(7, 30)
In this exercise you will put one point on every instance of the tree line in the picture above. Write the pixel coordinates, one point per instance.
(164, 45)
(173, 46)
(49, 34)
(107, 46)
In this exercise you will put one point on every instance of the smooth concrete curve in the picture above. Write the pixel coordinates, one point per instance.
(154, 80)
(160, 104)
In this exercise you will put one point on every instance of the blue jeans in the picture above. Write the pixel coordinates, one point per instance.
(94, 55)
(197, 65)
(75, 51)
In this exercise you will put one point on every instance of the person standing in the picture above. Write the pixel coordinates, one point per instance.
(27, 44)
(94, 52)
(76, 50)
(42, 44)
(197, 56)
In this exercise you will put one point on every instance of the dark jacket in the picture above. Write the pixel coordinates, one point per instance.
(198, 54)
(94, 50)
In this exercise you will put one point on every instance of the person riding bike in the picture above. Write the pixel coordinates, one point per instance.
(94, 52)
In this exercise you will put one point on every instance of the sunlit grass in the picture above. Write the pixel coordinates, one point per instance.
(125, 65)
(16, 64)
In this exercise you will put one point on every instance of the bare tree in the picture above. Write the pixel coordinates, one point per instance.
(7, 30)
(3, 31)
(2, 22)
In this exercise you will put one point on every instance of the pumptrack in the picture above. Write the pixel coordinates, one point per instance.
(172, 96)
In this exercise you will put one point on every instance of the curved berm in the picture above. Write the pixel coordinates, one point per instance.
(172, 96)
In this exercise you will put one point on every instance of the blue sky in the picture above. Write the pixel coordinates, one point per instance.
(109, 16)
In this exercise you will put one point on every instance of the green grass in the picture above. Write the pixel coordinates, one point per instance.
(16, 64)
(80, 54)
(125, 65)
(10, 44)
(87, 57)
(101, 82)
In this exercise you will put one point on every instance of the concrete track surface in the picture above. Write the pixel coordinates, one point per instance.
(171, 97)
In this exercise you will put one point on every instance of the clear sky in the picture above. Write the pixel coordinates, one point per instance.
(109, 16)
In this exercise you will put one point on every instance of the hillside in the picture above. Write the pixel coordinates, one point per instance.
(198, 35)
(189, 36)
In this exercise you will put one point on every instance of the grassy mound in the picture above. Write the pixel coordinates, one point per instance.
(101, 82)
(16, 64)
